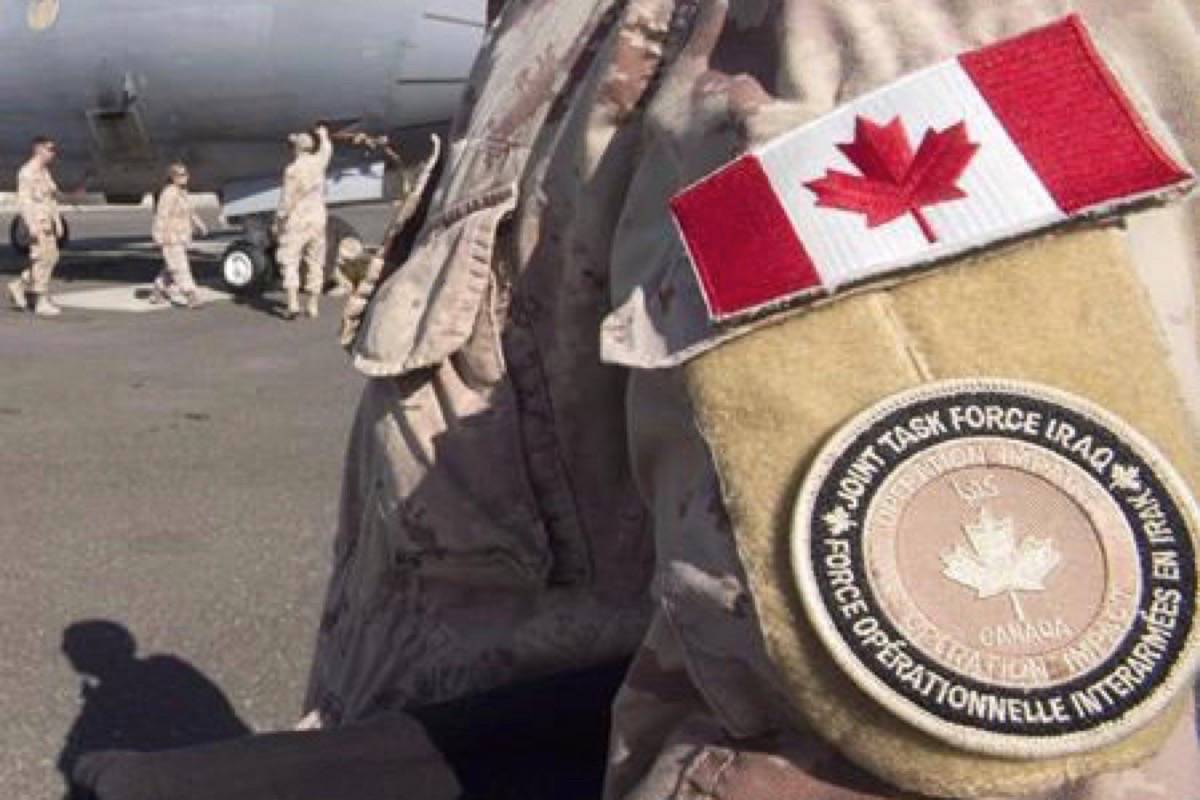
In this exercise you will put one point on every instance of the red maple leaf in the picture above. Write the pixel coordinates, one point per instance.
(894, 182)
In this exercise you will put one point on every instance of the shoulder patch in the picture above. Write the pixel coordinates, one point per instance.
(1000, 142)
(1002, 565)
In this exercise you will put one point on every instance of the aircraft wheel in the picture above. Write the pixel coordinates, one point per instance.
(244, 268)
(18, 236)
(337, 231)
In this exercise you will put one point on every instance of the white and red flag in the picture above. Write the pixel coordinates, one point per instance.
(999, 142)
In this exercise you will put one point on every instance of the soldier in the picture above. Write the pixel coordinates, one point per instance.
(174, 222)
(301, 219)
(37, 199)
(556, 420)
(549, 249)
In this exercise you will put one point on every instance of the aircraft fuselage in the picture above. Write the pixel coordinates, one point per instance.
(125, 86)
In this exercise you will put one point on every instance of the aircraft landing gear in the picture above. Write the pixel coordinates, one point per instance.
(245, 268)
(248, 264)
(18, 236)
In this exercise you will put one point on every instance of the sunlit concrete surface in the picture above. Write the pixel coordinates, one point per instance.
(175, 474)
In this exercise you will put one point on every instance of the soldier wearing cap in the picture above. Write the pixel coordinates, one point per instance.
(174, 223)
(37, 201)
(301, 219)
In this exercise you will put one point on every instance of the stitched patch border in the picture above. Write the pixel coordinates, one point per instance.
(1010, 135)
(1002, 565)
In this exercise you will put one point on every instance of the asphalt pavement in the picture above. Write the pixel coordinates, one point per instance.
(168, 490)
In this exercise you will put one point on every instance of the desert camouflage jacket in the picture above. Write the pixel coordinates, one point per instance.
(37, 197)
(525, 489)
(174, 219)
(302, 200)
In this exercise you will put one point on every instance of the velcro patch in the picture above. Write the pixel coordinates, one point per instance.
(1004, 566)
(1015, 137)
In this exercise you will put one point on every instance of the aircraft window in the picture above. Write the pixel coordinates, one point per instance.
(42, 14)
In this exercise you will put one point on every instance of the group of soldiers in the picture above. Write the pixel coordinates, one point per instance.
(300, 229)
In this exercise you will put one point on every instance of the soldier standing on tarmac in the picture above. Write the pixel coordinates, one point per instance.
(37, 199)
(301, 219)
(174, 222)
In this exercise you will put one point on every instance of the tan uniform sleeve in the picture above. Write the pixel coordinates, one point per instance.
(196, 220)
(193, 218)
(324, 149)
(51, 203)
(32, 212)
(700, 714)
(162, 215)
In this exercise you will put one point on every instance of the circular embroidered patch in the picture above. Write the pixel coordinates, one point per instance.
(1004, 566)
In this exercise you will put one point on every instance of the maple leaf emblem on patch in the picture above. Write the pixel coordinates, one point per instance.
(839, 521)
(894, 180)
(995, 564)
(1126, 478)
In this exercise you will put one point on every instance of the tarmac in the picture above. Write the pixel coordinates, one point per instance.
(166, 476)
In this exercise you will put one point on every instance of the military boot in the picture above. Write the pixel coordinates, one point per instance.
(43, 307)
(16, 293)
(159, 292)
(313, 308)
(293, 304)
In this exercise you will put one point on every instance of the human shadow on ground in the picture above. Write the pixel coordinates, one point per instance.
(258, 301)
(156, 702)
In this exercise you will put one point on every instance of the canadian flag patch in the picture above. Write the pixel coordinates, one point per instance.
(999, 142)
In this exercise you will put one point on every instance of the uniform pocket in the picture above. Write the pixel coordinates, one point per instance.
(436, 303)
(442, 472)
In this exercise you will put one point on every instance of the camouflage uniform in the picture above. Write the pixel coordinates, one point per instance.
(503, 484)
(302, 218)
(174, 222)
(37, 200)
